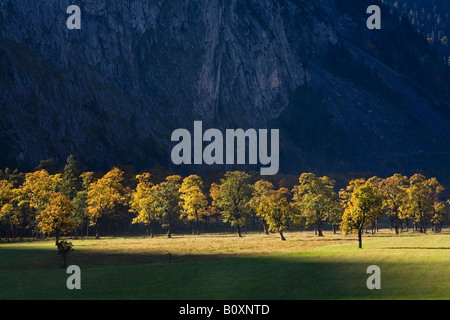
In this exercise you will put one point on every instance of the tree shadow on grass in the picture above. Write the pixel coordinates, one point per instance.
(32, 259)
(130, 275)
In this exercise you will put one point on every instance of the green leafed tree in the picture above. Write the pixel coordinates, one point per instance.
(167, 202)
(423, 194)
(364, 202)
(234, 195)
(71, 177)
(394, 192)
(80, 203)
(316, 200)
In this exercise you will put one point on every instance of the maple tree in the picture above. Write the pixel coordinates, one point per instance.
(8, 212)
(261, 188)
(277, 211)
(167, 202)
(363, 203)
(422, 196)
(56, 219)
(143, 202)
(121, 198)
(441, 213)
(234, 194)
(316, 200)
(104, 197)
(394, 191)
(194, 201)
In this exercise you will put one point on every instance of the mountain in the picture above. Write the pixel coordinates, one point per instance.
(430, 18)
(345, 98)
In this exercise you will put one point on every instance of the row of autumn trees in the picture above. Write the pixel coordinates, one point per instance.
(40, 203)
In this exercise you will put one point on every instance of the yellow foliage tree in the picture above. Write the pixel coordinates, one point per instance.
(143, 203)
(8, 211)
(40, 186)
(35, 194)
(261, 188)
(213, 211)
(193, 200)
(441, 213)
(277, 211)
(56, 219)
(104, 196)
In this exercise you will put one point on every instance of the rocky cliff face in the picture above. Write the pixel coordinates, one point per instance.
(114, 91)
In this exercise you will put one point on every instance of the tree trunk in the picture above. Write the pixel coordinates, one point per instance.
(258, 224)
(396, 224)
(424, 223)
(198, 226)
(360, 237)
(319, 230)
(239, 231)
(282, 237)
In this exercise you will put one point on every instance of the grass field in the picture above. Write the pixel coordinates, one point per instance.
(221, 266)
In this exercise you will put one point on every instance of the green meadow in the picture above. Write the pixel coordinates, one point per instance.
(413, 266)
